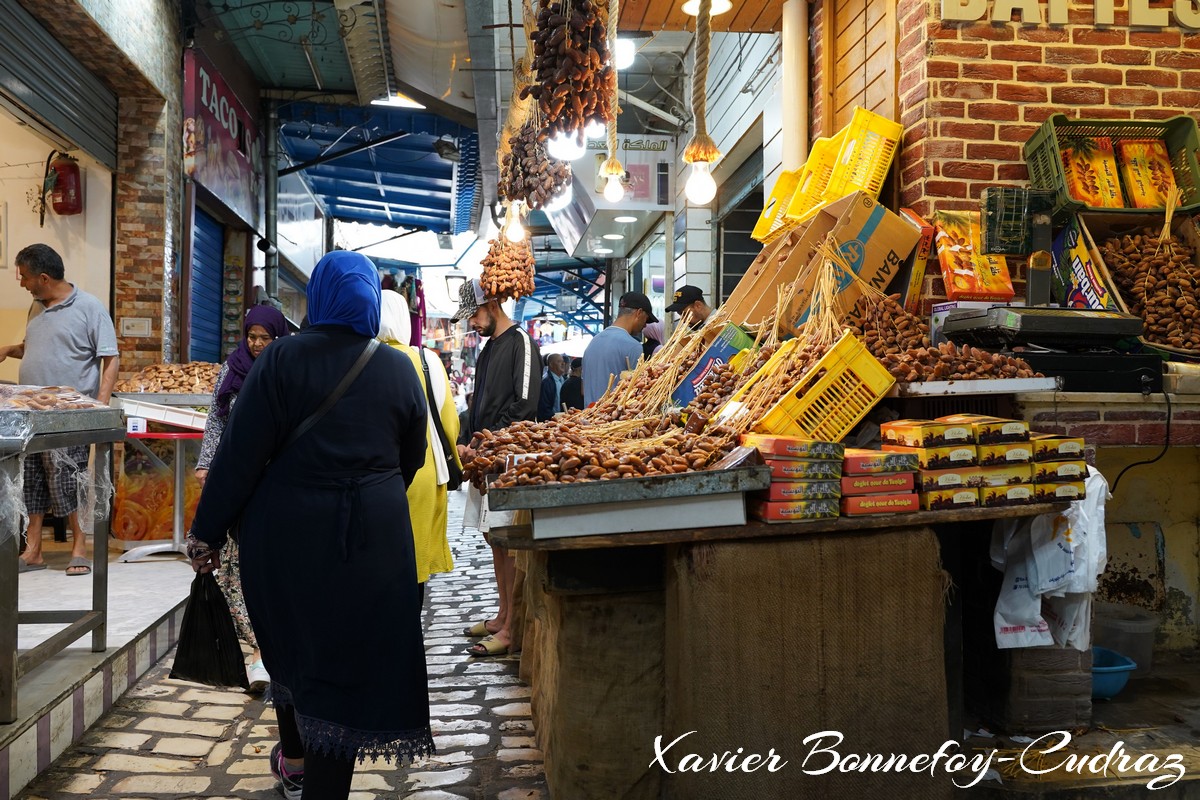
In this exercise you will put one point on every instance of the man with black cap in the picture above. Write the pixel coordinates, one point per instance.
(689, 304)
(616, 348)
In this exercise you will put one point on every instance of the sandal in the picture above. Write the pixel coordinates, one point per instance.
(80, 565)
(488, 647)
(478, 629)
(25, 566)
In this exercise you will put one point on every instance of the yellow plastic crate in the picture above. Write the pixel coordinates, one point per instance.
(866, 155)
(772, 222)
(814, 179)
(854, 381)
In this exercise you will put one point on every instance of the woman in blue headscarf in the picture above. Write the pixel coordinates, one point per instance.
(326, 546)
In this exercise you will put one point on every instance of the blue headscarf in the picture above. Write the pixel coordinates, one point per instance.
(344, 290)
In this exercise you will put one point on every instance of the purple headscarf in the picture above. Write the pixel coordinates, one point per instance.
(239, 362)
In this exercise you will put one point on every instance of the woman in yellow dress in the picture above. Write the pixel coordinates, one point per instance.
(427, 495)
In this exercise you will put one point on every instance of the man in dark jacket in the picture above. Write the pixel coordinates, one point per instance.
(507, 389)
(572, 391)
(556, 376)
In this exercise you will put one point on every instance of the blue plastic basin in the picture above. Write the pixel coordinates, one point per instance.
(1110, 672)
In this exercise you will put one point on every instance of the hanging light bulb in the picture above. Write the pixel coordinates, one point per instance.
(614, 191)
(625, 53)
(515, 231)
(566, 146)
(700, 187)
(594, 129)
(692, 7)
(559, 201)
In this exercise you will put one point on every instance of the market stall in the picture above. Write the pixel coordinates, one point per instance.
(35, 420)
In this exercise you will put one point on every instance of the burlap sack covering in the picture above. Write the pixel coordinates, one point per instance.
(595, 664)
(771, 641)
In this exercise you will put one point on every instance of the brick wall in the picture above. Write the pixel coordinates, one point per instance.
(973, 93)
(1119, 422)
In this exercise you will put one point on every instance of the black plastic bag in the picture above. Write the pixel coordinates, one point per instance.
(208, 650)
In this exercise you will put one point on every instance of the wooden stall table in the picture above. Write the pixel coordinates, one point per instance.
(752, 636)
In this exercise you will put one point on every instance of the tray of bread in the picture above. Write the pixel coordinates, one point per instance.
(27, 411)
(192, 378)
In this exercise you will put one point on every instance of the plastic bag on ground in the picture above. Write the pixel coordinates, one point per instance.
(208, 650)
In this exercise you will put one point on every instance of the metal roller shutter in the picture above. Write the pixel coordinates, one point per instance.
(42, 78)
(208, 267)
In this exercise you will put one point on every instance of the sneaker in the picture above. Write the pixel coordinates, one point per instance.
(291, 784)
(257, 675)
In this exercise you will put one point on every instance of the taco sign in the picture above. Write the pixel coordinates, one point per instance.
(1182, 13)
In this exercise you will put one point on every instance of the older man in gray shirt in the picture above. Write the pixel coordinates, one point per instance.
(69, 341)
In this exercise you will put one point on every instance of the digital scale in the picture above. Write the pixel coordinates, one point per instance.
(1077, 344)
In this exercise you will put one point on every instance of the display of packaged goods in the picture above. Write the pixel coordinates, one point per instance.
(729, 342)
(918, 262)
(931, 479)
(959, 455)
(1059, 471)
(967, 273)
(874, 462)
(862, 505)
(1020, 494)
(44, 398)
(1009, 475)
(1075, 279)
(925, 433)
(990, 430)
(793, 511)
(991, 455)
(793, 447)
(1090, 166)
(941, 499)
(1146, 171)
(804, 469)
(1052, 447)
(884, 483)
(1059, 492)
(800, 490)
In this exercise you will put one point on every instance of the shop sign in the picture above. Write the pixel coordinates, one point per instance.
(648, 160)
(221, 148)
(1184, 13)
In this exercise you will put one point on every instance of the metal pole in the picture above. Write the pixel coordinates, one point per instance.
(102, 524)
(270, 225)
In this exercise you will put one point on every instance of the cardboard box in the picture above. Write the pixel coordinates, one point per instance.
(1146, 171)
(960, 455)
(1060, 471)
(804, 469)
(801, 490)
(793, 447)
(1076, 280)
(1091, 171)
(937, 319)
(728, 344)
(1059, 492)
(793, 511)
(1016, 495)
(941, 499)
(924, 433)
(929, 480)
(991, 430)
(1052, 447)
(1010, 475)
(885, 483)
(993, 455)
(967, 273)
(918, 262)
(880, 504)
(874, 462)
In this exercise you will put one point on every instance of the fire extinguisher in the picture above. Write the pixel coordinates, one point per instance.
(64, 185)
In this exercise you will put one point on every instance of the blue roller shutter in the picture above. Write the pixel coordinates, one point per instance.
(208, 267)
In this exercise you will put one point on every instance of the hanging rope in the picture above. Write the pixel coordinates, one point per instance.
(612, 165)
(701, 147)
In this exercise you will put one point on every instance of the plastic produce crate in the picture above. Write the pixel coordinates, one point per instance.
(867, 146)
(852, 383)
(1043, 156)
(814, 179)
(1007, 218)
(772, 222)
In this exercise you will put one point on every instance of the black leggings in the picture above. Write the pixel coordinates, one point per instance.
(325, 777)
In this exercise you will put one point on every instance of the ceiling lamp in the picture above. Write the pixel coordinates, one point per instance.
(624, 219)
(719, 7)
(514, 231)
(602, 251)
(701, 151)
(566, 146)
(624, 54)
(615, 237)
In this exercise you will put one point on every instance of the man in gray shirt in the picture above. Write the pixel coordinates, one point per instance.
(616, 348)
(69, 341)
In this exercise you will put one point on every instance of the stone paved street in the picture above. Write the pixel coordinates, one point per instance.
(169, 738)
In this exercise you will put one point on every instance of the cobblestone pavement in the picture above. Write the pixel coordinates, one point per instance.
(168, 738)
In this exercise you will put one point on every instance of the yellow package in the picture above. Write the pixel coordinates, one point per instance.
(967, 274)
(1146, 170)
(1090, 167)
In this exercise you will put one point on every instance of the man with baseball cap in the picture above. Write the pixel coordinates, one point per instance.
(616, 348)
(690, 305)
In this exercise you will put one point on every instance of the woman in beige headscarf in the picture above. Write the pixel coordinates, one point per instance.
(427, 495)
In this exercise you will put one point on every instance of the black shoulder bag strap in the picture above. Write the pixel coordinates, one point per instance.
(334, 396)
(433, 410)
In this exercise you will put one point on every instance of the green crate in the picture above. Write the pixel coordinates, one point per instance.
(1006, 218)
(1042, 155)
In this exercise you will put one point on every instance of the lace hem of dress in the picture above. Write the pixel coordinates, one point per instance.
(280, 695)
(348, 744)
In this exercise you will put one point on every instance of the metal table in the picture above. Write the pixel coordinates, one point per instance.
(22, 433)
(176, 544)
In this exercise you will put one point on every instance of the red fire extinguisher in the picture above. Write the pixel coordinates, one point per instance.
(66, 198)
